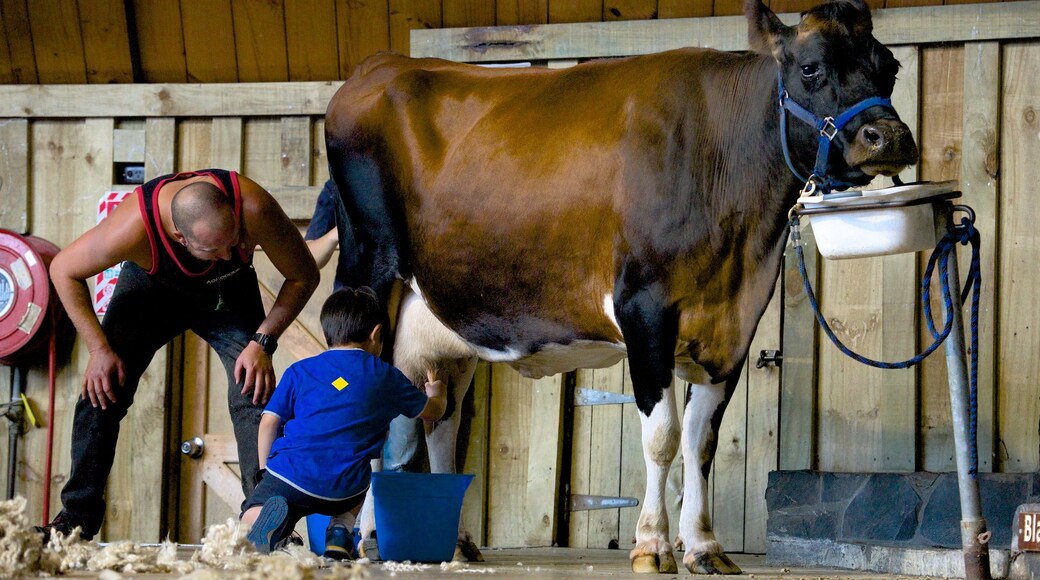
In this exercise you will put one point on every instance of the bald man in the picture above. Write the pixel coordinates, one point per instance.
(186, 243)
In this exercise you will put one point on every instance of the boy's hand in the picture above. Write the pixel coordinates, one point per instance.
(438, 400)
(434, 388)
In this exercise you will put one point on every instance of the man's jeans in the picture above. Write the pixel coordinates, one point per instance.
(405, 448)
(142, 317)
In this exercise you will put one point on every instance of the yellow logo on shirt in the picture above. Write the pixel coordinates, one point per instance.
(340, 384)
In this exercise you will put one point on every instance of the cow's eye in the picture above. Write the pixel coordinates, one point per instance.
(810, 70)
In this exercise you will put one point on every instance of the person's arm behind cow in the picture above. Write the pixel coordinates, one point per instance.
(268, 226)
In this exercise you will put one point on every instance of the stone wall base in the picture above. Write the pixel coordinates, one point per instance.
(889, 560)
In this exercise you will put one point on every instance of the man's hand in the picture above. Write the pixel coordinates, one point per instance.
(104, 373)
(254, 371)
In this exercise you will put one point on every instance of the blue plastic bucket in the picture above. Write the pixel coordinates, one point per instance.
(417, 514)
(316, 525)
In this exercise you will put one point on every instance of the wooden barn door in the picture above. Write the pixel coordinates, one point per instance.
(283, 155)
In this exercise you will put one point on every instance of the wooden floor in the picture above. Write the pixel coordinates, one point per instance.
(550, 563)
(593, 563)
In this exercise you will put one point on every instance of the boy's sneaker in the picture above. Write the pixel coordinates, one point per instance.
(269, 528)
(339, 543)
(63, 523)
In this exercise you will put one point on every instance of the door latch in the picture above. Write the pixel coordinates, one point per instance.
(769, 357)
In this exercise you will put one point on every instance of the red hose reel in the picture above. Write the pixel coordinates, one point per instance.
(27, 300)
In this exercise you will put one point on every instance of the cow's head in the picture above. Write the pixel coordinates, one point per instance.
(829, 63)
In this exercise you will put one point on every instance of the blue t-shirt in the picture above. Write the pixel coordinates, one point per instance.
(335, 409)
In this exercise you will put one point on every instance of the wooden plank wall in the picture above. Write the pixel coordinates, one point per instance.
(111, 41)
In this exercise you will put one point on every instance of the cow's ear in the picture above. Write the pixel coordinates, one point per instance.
(766, 33)
(860, 5)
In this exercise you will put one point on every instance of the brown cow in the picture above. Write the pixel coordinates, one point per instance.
(555, 219)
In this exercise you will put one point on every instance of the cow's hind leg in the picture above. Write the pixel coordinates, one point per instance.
(442, 436)
(701, 420)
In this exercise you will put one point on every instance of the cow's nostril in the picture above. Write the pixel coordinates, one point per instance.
(872, 138)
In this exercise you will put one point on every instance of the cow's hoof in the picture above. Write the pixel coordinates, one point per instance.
(467, 551)
(655, 564)
(710, 563)
(369, 548)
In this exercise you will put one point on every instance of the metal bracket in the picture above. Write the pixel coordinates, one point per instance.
(581, 503)
(585, 397)
(769, 358)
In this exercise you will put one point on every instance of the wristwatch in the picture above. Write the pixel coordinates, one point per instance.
(266, 342)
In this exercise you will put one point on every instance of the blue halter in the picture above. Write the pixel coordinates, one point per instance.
(828, 128)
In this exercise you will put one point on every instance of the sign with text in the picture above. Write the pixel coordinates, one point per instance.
(1029, 531)
(105, 282)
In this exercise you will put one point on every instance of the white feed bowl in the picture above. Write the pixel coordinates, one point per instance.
(876, 230)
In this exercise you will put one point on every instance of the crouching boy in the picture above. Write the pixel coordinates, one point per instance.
(333, 411)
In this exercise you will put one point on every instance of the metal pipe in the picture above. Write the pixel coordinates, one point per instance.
(52, 373)
(14, 431)
(973, 526)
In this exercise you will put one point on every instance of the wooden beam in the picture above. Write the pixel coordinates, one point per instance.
(209, 51)
(969, 22)
(543, 461)
(224, 482)
(310, 34)
(259, 29)
(296, 200)
(798, 399)
(160, 42)
(14, 175)
(408, 15)
(15, 27)
(105, 46)
(58, 42)
(979, 183)
(898, 397)
(160, 144)
(167, 100)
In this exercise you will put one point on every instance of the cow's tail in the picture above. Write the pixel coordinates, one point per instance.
(367, 217)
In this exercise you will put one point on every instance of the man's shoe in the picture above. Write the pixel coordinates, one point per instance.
(64, 524)
(269, 528)
(339, 543)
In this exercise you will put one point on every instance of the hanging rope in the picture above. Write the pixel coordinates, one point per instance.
(964, 234)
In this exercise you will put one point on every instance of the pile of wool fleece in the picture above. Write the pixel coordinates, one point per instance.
(224, 549)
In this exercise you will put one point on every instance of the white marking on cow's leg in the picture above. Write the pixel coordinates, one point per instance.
(704, 554)
(660, 433)
(441, 439)
(367, 518)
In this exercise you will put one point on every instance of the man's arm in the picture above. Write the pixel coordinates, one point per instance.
(269, 227)
(121, 236)
(323, 247)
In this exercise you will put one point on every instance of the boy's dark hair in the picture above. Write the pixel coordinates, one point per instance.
(349, 315)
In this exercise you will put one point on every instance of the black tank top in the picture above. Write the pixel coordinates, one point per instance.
(179, 268)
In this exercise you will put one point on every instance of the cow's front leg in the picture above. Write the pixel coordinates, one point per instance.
(441, 439)
(660, 433)
(701, 419)
(650, 326)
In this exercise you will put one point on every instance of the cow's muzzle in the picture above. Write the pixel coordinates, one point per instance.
(882, 147)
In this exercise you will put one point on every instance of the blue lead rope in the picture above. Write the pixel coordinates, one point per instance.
(964, 234)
